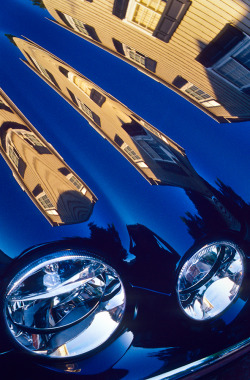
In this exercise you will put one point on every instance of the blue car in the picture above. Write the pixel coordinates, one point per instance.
(125, 224)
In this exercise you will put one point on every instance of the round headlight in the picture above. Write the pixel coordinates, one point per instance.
(210, 280)
(64, 304)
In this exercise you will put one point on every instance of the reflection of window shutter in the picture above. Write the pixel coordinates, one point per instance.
(73, 98)
(96, 119)
(5, 108)
(37, 190)
(97, 97)
(64, 171)
(42, 149)
(52, 79)
(134, 128)
(118, 46)
(120, 8)
(21, 167)
(226, 40)
(150, 64)
(64, 71)
(92, 33)
(171, 18)
(118, 140)
(63, 18)
(179, 82)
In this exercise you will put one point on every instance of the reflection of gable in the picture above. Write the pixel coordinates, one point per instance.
(40, 171)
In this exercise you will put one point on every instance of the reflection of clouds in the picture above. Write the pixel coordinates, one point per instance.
(97, 333)
(142, 362)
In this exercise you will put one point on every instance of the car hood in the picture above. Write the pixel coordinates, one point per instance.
(143, 178)
(202, 196)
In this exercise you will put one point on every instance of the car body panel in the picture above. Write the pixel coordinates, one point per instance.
(146, 228)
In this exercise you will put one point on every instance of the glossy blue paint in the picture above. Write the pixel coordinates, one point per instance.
(171, 220)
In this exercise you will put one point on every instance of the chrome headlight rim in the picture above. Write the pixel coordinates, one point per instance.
(65, 250)
(232, 242)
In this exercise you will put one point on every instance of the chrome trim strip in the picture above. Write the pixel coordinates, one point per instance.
(202, 363)
(5, 352)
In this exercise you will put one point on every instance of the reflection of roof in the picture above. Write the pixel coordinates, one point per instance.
(5, 127)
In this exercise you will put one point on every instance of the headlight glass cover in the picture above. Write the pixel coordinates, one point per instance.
(64, 304)
(210, 280)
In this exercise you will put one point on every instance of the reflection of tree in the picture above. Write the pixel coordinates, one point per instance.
(39, 3)
(233, 201)
(107, 240)
(103, 241)
(149, 249)
(222, 211)
(10, 38)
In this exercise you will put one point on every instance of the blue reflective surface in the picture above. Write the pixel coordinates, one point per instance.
(148, 228)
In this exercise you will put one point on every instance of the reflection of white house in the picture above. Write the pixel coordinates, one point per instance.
(234, 67)
(159, 159)
(57, 191)
(197, 48)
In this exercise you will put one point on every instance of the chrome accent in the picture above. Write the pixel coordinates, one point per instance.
(62, 306)
(210, 280)
(202, 363)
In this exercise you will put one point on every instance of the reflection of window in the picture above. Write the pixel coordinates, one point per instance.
(154, 149)
(145, 13)
(130, 152)
(195, 92)
(92, 115)
(235, 66)
(228, 55)
(159, 18)
(41, 68)
(44, 200)
(75, 182)
(79, 26)
(14, 156)
(134, 55)
(33, 139)
(85, 108)
(80, 83)
(44, 72)
(88, 89)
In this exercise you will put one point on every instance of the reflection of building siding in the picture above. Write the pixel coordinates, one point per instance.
(57, 191)
(159, 159)
(165, 40)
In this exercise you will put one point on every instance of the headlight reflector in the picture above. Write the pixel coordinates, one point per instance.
(210, 280)
(64, 304)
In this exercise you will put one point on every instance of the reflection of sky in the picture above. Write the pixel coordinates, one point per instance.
(142, 362)
(214, 150)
